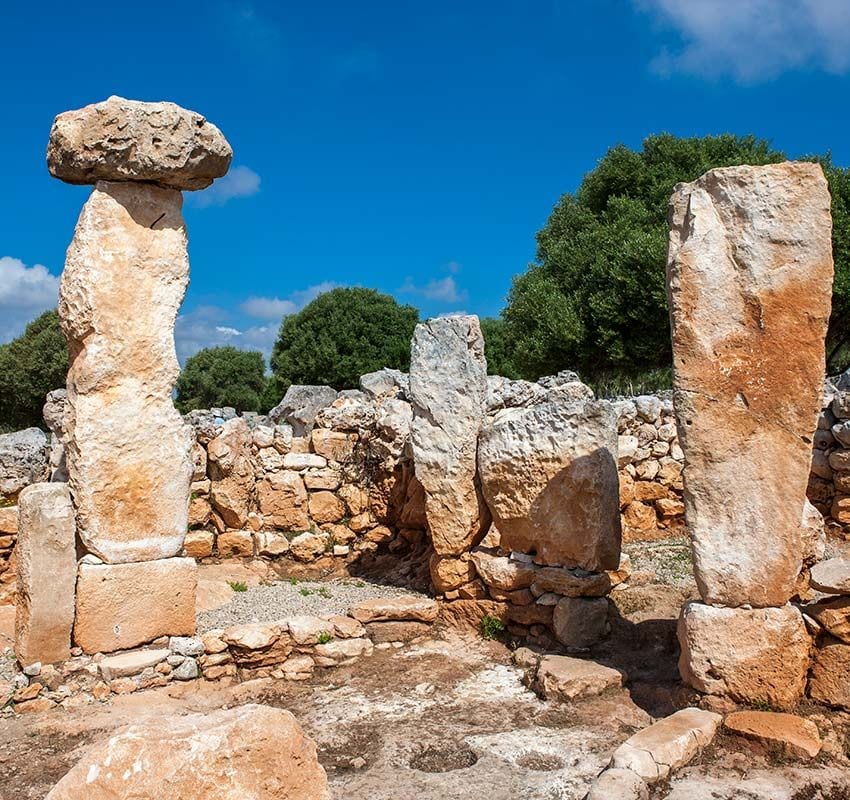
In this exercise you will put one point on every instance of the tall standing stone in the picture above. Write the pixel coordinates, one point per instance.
(749, 278)
(125, 275)
(448, 390)
(47, 569)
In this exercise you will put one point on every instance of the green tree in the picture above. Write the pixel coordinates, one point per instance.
(31, 366)
(595, 299)
(341, 335)
(497, 348)
(222, 376)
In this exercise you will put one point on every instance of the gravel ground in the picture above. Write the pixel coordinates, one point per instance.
(275, 601)
(668, 559)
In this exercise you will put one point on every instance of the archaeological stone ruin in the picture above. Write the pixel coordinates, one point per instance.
(474, 502)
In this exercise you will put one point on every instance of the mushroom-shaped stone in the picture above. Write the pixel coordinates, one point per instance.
(128, 140)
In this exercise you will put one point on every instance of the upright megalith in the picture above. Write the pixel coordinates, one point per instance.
(126, 271)
(749, 281)
(448, 390)
(749, 277)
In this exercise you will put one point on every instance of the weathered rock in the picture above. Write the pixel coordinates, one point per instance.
(793, 735)
(300, 405)
(812, 534)
(565, 678)
(123, 605)
(308, 545)
(749, 270)
(756, 655)
(549, 475)
(127, 446)
(23, 460)
(342, 651)
(333, 445)
(283, 501)
(666, 745)
(401, 608)
(53, 413)
(580, 622)
(618, 784)
(47, 573)
(348, 413)
(198, 544)
(251, 751)
(832, 576)
(833, 616)
(123, 665)
(231, 472)
(128, 140)
(271, 544)
(448, 390)
(235, 543)
(501, 572)
(326, 507)
(829, 681)
(8, 520)
(306, 630)
(391, 631)
(385, 383)
(451, 572)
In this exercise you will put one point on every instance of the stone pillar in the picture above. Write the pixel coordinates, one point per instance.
(127, 268)
(448, 390)
(47, 567)
(749, 279)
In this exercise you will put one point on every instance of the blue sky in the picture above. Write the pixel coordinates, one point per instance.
(411, 147)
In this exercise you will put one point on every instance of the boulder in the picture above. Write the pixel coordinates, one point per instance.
(758, 655)
(565, 678)
(448, 390)
(47, 574)
(24, 458)
(127, 446)
(300, 405)
(251, 751)
(794, 736)
(400, 608)
(385, 383)
(580, 622)
(549, 475)
(666, 745)
(833, 615)
(128, 140)
(124, 605)
(749, 270)
(282, 500)
(832, 576)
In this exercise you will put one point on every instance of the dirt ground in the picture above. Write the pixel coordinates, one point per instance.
(451, 718)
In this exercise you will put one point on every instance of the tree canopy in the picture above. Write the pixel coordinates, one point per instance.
(222, 376)
(339, 336)
(31, 366)
(595, 298)
(497, 348)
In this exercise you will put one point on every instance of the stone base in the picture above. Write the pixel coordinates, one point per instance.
(124, 605)
(752, 656)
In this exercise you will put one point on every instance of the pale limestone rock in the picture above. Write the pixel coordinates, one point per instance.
(127, 447)
(24, 459)
(832, 576)
(756, 655)
(304, 461)
(668, 744)
(283, 501)
(300, 405)
(309, 630)
(47, 570)
(501, 572)
(448, 390)
(796, 737)
(342, 651)
(123, 605)
(53, 414)
(251, 751)
(133, 662)
(812, 534)
(749, 271)
(401, 608)
(308, 545)
(563, 677)
(580, 622)
(271, 544)
(231, 472)
(618, 784)
(128, 140)
(549, 475)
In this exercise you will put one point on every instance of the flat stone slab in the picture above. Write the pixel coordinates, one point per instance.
(128, 140)
(797, 737)
(618, 784)
(833, 615)
(668, 744)
(120, 606)
(563, 677)
(132, 663)
(832, 576)
(398, 609)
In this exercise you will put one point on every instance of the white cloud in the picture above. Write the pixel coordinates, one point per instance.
(25, 292)
(753, 40)
(443, 289)
(267, 307)
(239, 182)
